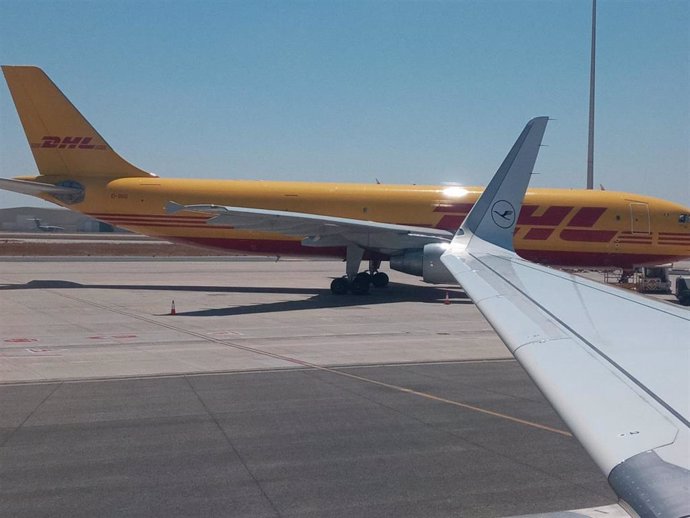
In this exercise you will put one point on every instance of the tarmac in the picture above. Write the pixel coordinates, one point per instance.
(265, 395)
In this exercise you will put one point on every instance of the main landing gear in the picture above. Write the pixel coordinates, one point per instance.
(358, 283)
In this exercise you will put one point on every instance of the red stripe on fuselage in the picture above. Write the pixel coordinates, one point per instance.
(588, 236)
(146, 217)
(451, 223)
(265, 246)
(153, 224)
(586, 217)
(552, 216)
(539, 234)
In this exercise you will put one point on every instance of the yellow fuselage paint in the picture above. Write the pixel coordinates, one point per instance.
(557, 226)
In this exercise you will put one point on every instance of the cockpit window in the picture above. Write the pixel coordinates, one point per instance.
(683, 218)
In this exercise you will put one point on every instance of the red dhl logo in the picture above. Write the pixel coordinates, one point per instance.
(544, 224)
(67, 143)
(550, 216)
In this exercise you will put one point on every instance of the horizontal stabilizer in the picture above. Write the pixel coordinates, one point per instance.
(37, 188)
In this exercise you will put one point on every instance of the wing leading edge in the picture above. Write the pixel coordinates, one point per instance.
(319, 230)
(612, 363)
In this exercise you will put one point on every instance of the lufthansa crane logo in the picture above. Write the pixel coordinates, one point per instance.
(503, 214)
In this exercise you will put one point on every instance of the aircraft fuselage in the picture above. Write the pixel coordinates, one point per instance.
(564, 227)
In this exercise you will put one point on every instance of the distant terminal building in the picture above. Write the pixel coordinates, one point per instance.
(23, 219)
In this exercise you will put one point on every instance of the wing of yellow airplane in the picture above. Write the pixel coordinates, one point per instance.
(357, 236)
(319, 230)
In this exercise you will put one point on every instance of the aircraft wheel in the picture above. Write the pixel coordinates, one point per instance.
(379, 280)
(339, 286)
(365, 276)
(360, 285)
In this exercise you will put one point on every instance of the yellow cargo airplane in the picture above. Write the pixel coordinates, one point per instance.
(408, 225)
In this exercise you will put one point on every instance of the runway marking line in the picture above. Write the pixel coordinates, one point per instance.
(448, 401)
(331, 370)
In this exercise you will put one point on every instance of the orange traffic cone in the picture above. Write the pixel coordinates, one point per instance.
(172, 308)
(446, 301)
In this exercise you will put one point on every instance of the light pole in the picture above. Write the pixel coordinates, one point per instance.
(590, 139)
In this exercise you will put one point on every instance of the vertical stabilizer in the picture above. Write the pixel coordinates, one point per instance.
(62, 140)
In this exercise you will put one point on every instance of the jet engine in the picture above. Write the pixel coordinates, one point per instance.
(425, 263)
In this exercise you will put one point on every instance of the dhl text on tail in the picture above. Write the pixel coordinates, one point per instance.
(408, 225)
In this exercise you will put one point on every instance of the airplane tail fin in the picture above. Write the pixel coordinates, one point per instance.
(62, 140)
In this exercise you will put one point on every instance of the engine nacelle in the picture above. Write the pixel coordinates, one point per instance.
(425, 263)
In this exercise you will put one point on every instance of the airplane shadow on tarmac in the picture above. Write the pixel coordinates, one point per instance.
(320, 297)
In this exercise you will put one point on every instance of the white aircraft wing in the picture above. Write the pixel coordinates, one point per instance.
(320, 230)
(615, 365)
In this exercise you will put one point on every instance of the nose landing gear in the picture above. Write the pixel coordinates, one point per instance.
(359, 283)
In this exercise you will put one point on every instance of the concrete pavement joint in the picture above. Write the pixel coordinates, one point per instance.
(13, 432)
(234, 449)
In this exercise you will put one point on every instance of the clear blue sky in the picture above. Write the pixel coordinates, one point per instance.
(406, 92)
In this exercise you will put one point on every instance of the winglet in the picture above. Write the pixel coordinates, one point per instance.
(495, 213)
